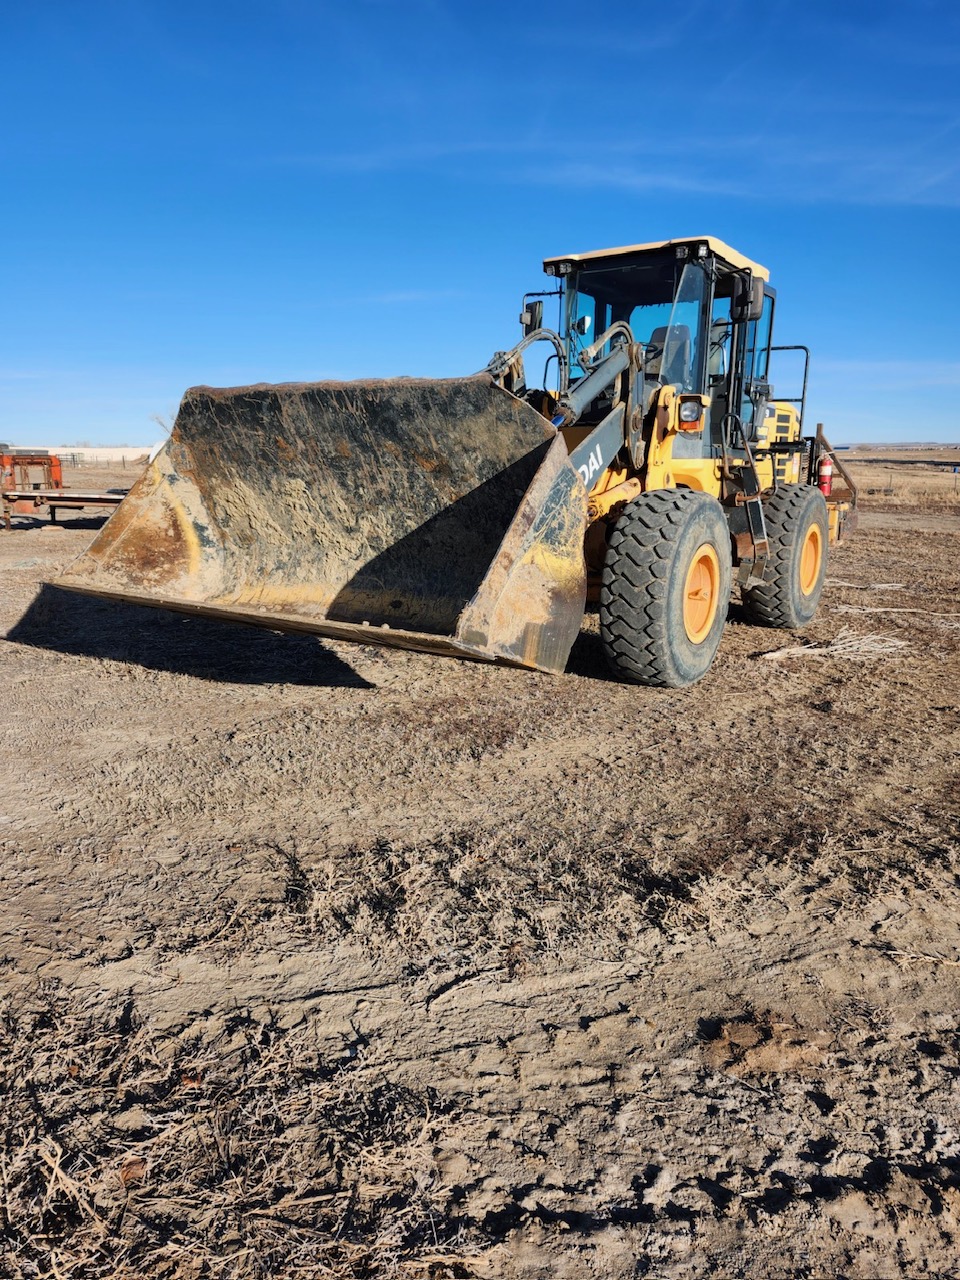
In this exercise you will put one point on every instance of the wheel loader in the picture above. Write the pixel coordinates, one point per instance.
(633, 457)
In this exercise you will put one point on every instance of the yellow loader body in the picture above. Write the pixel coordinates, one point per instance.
(474, 516)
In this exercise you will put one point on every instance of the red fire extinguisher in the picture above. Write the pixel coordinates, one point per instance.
(825, 475)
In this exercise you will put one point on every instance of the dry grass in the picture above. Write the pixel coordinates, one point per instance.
(847, 644)
(126, 1153)
(480, 901)
(498, 900)
(255, 1154)
(913, 486)
(251, 1158)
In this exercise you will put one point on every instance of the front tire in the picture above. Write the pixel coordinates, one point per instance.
(798, 528)
(666, 588)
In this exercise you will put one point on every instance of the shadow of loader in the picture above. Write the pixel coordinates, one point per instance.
(204, 648)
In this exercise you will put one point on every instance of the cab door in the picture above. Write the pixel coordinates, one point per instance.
(753, 392)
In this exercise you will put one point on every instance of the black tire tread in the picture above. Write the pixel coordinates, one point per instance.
(634, 587)
(785, 513)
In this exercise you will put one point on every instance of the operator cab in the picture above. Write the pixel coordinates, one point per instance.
(703, 314)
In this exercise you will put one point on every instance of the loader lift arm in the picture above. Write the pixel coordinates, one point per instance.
(621, 369)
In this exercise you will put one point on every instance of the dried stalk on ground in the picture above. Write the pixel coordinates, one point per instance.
(847, 644)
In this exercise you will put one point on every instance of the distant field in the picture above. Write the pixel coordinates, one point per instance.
(904, 478)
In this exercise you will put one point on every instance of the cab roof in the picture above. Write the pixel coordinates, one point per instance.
(715, 246)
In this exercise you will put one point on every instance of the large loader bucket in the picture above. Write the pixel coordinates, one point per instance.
(436, 515)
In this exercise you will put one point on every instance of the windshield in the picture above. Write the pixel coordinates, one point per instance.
(661, 304)
(680, 357)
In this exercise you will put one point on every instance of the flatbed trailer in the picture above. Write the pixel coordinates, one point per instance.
(27, 501)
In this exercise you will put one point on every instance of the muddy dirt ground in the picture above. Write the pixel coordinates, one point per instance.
(322, 960)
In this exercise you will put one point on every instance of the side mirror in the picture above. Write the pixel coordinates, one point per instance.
(747, 300)
(531, 317)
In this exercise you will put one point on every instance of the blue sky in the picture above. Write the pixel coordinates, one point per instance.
(223, 194)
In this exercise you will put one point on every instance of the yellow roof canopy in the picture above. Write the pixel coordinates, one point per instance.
(717, 247)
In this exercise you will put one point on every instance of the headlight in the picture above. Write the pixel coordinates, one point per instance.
(690, 411)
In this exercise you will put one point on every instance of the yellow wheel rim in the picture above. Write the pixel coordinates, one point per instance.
(811, 558)
(701, 594)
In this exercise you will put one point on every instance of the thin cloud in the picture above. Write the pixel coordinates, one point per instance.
(847, 175)
(639, 180)
(895, 374)
(413, 296)
(389, 159)
(672, 32)
(775, 166)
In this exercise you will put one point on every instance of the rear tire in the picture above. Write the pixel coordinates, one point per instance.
(666, 588)
(798, 528)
